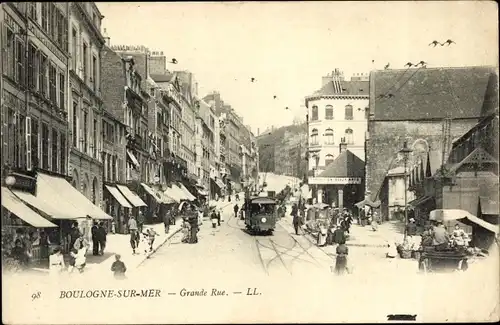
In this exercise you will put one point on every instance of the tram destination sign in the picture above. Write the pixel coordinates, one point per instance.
(334, 180)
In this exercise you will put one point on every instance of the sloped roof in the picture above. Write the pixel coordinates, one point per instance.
(150, 81)
(346, 164)
(356, 88)
(428, 93)
(433, 162)
(396, 171)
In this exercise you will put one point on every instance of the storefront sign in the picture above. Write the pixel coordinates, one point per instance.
(334, 180)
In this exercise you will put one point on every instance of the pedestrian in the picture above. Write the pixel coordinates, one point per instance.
(200, 213)
(80, 259)
(341, 260)
(80, 242)
(118, 268)
(140, 221)
(132, 228)
(150, 235)
(236, 208)
(102, 237)
(95, 238)
(219, 215)
(339, 236)
(214, 219)
(56, 262)
(167, 220)
(186, 230)
(193, 220)
(113, 227)
(74, 233)
(296, 219)
(322, 235)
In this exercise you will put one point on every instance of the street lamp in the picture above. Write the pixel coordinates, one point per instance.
(406, 152)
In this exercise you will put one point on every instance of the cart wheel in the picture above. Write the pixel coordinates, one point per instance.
(425, 266)
(465, 265)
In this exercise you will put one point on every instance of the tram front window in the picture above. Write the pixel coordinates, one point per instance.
(262, 209)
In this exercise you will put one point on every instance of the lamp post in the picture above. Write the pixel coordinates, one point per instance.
(406, 152)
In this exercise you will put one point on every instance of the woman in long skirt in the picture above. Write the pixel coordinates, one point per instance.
(186, 230)
(322, 235)
(341, 260)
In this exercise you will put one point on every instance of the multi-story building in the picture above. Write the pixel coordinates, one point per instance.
(85, 108)
(125, 100)
(338, 116)
(205, 151)
(34, 86)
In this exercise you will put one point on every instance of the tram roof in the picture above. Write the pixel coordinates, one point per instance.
(262, 200)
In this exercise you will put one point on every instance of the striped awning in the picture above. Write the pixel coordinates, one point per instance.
(12, 203)
(131, 196)
(118, 196)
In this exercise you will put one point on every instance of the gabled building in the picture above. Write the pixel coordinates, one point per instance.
(413, 105)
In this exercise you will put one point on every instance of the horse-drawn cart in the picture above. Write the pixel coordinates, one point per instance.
(442, 261)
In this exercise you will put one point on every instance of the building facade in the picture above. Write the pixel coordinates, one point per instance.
(85, 103)
(34, 86)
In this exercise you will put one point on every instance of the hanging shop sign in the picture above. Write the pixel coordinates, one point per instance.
(334, 180)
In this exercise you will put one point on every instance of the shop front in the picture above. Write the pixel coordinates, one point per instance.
(135, 201)
(118, 207)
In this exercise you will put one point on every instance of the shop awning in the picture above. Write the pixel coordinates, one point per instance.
(152, 192)
(171, 194)
(131, 196)
(51, 188)
(188, 194)
(368, 202)
(219, 183)
(55, 210)
(118, 196)
(132, 158)
(445, 215)
(202, 192)
(179, 193)
(22, 211)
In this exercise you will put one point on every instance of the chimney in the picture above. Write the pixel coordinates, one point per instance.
(107, 40)
(342, 146)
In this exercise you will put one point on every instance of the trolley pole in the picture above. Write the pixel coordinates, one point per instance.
(405, 151)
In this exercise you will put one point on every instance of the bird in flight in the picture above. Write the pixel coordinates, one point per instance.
(174, 61)
(274, 97)
(422, 63)
(387, 66)
(409, 65)
(449, 42)
(435, 43)
(286, 107)
(252, 79)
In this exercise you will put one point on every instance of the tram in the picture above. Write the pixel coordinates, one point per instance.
(260, 215)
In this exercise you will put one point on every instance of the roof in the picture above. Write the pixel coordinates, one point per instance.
(262, 200)
(433, 162)
(428, 93)
(162, 77)
(151, 82)
(396, 171)
(349, 88)
(346, 164)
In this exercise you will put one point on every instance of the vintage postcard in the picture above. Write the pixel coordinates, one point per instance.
(249, 162)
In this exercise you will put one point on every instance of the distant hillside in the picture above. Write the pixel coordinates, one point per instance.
(269, 140)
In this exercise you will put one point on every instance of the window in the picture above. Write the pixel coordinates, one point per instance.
(349, 139)
(329, 159)
(75, 125)
(152, 91)
(10, 54)
(34, 142)
(314, 137)
(42, 75)
(95, 139)
(32, 11)
(20, 62)
(329, 112)
(52, 19)
(74, 52)
(85, 132)
(55, 156)
(52, 84)
(45, 146)
(85, 61)
(348, 112)
(94, 72)
(329, 136)
(314, 114)
(62, 91)
(45, 15)
(20, 140)
(62, 151)
(32, 67)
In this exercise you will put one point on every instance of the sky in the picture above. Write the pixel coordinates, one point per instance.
(288, 46)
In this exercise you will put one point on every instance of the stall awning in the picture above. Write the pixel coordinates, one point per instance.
(219, 183)
(131, 196)
(188, 194)
(118, 196)
(53, 209)
(445, 215)
(51, 188)
(132, 158)
(22, 211)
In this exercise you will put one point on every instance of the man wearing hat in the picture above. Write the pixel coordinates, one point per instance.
(411, 228)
